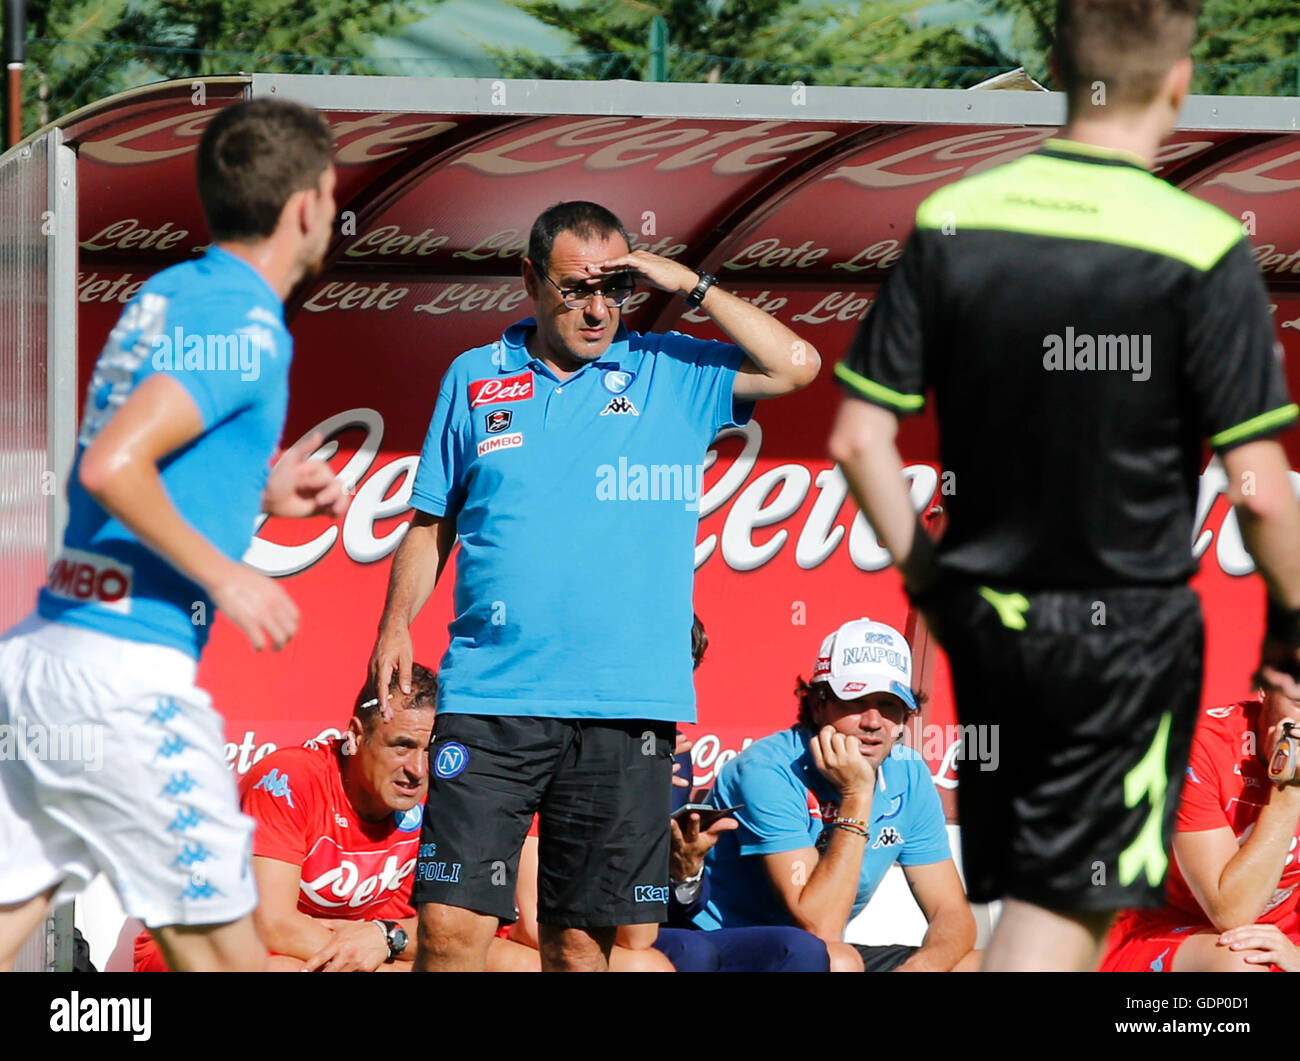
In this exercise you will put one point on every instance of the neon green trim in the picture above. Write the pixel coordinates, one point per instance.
(1256, 425)
(1043, 196)
(1011, 607)
(1078, 147)
(1148, 779)
(871, 389)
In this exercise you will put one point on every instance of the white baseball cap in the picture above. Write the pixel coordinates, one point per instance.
(864, 657)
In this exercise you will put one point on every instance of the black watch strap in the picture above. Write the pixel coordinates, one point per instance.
(707, 280)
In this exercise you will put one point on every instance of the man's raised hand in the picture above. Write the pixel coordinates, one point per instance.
(301, 486)
(258, 605)
(840, 759)
(663, 273)
(690, 845)
(393, 654)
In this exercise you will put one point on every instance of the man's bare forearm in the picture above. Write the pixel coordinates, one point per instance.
(862, 443)
(1268, 515)
(950, 937)
(296, 935)
(418, 562)
(826, 902)
(775, 350)
(1251, 876)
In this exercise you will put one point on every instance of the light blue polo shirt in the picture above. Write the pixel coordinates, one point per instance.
(784, 797)
(217, 327)
(576, 505)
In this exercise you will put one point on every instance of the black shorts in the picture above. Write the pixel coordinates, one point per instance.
(1095, 697)
(883, 959)
(602, 790)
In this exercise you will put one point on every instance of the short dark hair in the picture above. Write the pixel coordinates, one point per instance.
(812, 695)
(699, 641)
(424, 694)
(252, 157)
(1126, 46)
(585, 220)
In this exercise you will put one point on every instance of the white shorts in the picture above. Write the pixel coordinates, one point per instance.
(111, 761)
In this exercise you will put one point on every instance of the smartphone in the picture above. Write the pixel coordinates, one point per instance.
(708, 815)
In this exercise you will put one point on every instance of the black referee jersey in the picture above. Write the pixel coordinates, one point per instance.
(1084, 327)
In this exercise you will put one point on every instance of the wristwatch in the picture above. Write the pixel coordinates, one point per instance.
(395, 936)
(686, 891)
(707, 280)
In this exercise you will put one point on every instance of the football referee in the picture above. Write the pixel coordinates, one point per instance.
(1084, 327)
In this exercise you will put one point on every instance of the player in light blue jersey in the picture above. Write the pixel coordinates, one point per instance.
(828, 805)
(182, 416)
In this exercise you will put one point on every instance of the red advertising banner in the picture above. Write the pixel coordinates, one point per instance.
(803, 218)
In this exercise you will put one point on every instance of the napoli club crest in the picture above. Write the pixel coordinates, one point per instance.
(410, 820)
(618, 382)
(450, 760)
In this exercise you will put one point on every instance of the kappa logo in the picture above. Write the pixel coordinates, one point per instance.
(649, 893)
(618, 382)
(889, 836)
(509, 389)
(490, 445)
(496, 421)
(450, 760)
(620, 405)
(276, 785)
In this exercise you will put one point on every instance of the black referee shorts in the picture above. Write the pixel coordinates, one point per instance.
(602, 789)
(1095, 696)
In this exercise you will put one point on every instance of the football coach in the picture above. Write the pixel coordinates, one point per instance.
(566, 456)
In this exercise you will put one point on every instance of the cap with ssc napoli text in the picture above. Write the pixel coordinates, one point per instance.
(864, 657)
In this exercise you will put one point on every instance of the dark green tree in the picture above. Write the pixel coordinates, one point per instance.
(766, 41)
(83, 50)
(1243, 47)
(877, 43)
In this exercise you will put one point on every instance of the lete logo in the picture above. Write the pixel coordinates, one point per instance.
(509, 389)
(332, 877)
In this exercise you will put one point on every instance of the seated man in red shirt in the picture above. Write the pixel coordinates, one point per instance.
(1231, 897)
(337, 839)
